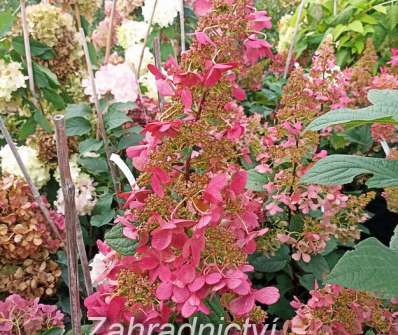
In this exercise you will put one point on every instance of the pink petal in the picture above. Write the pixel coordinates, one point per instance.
(156, 72)
(238, 93)
(213, 278)
(267, 295)
(239, 181)
(242, 305)
(161, 239)
(197, 284)
(164, 291)
(186, 97)
(202, 7)
(164, 88)
(202, 38)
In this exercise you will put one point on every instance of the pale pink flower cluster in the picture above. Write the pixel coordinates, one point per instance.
(21, 316)
(336, 310)
(118, 80)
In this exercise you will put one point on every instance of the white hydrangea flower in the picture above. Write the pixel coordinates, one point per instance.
(131, 33)
(85, 195)
(11, 78)
(133, 55)
(286, 33)
(37, 170)
(165, 13)
(148, 80)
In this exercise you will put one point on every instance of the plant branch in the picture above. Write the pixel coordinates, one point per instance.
(68, 190)
(110, 33)
(182, 26)
(28, 54)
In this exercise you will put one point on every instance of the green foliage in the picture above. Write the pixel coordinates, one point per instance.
(7, 19)
(103, 213)
(355, 22)
(383, 110)
(370, 267)
(77, 120)
(274, 263)
(342, 169)
(120, 243)
(256, 181)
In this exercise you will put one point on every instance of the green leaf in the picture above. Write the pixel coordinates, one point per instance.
(104, 203)
(256, 181)
(394, 240)
(380, 9)
(384, 110)
(370, 267)
(274, 263)
(318, 266)
(37, 48)
(384, 97)
(356, 26)
(120, 243)
(308, 281)
(53, 331)
(52, 96)
(42, 121)
(282, 309)
(6, 22)
(354, 118)
(40, 70)
(115, 118)
(78, 110)
(342, 169)
(93, 165)
(90, 144)
(102, 219)
(77, 126)
(28, 128)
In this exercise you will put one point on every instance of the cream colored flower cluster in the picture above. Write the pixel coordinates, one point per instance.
(38, 171)
(286, 32)
(48, 23)
(85, 195)
(11, 78)
(131, 35)
(165, 13)
(86, 7)
(54, 27)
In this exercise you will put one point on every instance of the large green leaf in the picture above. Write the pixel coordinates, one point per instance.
(77, 126)
(370, 267)
(342, 169)
(120, 243)
(78, 110)
(394, 239)
(6, 22)
(256, 181)
(274, 263)
(384, 110)
(115, 118)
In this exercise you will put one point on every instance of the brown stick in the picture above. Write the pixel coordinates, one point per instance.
(293, 42)
(100, 118)
(68, 189)
(146, 38)
(77, 14)
(28, 54)
(110, 33)
(158, 64)
(33, 188)
(182, 26)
